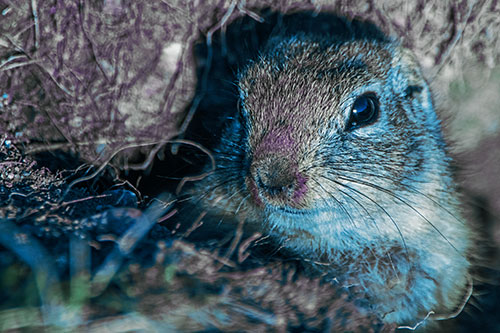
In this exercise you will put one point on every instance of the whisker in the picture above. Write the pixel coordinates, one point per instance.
(337, 201)
(363, 207)
(212, 188)
(412, 188)
(377, 204)
(234, 194)
(353, 180)
(387, 253)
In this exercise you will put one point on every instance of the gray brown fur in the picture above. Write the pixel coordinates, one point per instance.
(378, 203)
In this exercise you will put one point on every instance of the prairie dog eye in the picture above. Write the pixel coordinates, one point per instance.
(364, 111)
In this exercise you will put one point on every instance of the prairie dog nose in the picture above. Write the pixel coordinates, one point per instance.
(275, 177)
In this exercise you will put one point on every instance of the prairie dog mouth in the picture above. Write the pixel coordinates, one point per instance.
(290, 211)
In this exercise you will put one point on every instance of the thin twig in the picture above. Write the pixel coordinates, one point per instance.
(147, 162)
(34, 11)
(56, 146)
(11, 59)
(167, 216)
(201, 176)
(67, 203)
(9, 163)
(222, 22)
(103, 165)
(59, 129)
(442, 57)
(204, 79)
(242, 254)
(255, 16)
(87, 37)
(236, 239)
(59, 85)
(196, 224)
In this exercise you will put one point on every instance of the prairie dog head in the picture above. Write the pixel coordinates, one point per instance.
(342, 139)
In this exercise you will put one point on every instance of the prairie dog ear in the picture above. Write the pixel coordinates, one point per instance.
(407, 71)
(408, 81)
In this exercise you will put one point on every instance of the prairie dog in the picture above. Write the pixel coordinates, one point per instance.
(337, 152)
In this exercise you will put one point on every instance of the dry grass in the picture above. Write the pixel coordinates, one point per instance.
(106, 79)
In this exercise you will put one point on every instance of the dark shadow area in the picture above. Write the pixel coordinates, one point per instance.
(72, 168)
